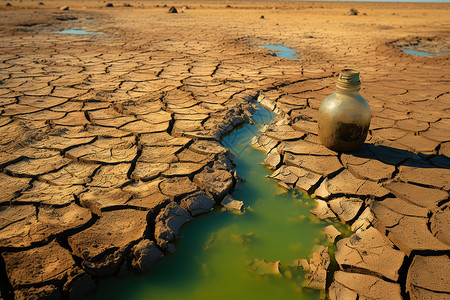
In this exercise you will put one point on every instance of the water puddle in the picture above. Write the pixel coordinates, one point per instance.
(422, 53)
(282, 51)
(78, 31)
(219, 255)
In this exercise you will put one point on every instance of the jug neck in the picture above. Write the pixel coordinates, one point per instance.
(348, 82)
(348, 91)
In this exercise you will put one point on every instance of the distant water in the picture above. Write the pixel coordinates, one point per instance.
(77, 31)
(282, 51)
(422, 53)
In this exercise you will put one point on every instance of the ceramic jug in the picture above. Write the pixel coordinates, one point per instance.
(344, 116)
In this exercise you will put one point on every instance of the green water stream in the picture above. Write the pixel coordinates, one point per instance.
(215, 252)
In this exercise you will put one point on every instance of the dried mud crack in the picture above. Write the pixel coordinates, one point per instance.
(110, 143)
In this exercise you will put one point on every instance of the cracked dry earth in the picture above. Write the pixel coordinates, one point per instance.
(110, 143)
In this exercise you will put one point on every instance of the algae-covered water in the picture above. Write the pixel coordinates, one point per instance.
(219, 255)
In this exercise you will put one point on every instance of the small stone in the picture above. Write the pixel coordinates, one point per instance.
(109, 5)
(231, 204)
(173, 10)
(352, 12)
(64, 8)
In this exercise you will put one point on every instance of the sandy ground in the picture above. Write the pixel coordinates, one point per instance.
(109, 142)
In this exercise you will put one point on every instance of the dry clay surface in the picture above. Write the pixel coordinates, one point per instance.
(109, 143)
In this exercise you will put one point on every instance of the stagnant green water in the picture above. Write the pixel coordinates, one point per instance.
(215, 251)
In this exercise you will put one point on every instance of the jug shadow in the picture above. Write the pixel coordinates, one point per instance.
(400, 157)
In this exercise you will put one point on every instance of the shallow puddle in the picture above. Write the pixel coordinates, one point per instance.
(422, 53)
(219, 255)
(282, 51)
(78, 31)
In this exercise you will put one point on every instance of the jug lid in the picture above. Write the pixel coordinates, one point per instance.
(348, 79)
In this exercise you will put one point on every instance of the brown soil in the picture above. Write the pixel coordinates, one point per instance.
(109, 143)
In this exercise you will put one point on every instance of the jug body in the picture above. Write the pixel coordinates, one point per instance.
(344, 116)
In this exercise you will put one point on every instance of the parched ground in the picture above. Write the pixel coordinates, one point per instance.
(111, 142)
